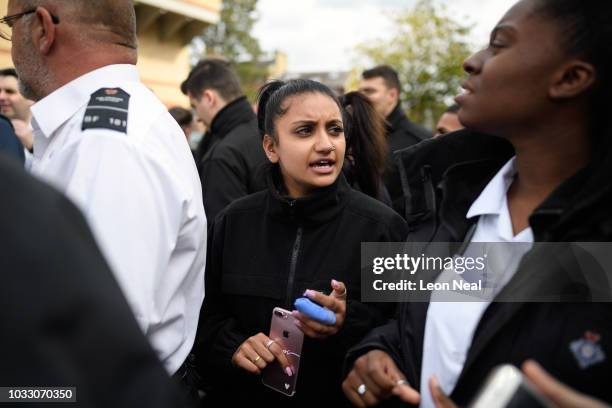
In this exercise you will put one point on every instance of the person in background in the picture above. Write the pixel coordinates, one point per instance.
(102, 138)
(366, 147)
(298, 237)
(382, 86)
(449, 121)
(532, 167)
(230, 158)
(184, 118)
(17, 108)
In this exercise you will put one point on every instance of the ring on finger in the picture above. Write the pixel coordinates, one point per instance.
(361, 390)
(401, 382)
(269, 343)
(256, 359)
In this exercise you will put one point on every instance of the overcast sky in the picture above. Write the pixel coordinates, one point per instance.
(321, 35)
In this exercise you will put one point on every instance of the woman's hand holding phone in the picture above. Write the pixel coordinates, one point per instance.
(335, 301)
(257, 352)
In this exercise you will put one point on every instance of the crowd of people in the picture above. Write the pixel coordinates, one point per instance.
(144, 273)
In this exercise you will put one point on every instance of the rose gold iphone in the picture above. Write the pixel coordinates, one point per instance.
(290, 338)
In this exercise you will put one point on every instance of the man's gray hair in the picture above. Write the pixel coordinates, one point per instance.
(116, 16)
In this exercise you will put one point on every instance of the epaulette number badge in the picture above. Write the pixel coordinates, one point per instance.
(107, 109)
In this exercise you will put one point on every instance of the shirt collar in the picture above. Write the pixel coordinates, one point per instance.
(493, 197)
(55, 109)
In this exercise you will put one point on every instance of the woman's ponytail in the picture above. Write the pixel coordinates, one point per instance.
(365, 130)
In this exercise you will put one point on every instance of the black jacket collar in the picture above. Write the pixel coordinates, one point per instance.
(395, 118)
(233, 114)
(318, 208)
(442, 177)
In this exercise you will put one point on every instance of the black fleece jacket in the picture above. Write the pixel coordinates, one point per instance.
(264, 251)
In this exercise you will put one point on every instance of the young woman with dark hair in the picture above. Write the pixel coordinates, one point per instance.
(541, 89)
(366, 147)
(300, 236)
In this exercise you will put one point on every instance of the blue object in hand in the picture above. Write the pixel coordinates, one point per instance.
(314, 311)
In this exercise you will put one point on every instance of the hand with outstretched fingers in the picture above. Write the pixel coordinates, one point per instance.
(335, 301)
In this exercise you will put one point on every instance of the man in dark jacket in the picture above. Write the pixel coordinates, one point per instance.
(571, 340)
(382, 86)
(65, 321)
(230, 157)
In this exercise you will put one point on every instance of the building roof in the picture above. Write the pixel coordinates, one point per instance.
(206, 11)
(177, 19)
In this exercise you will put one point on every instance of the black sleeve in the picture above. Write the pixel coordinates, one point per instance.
(362, 317)
(224, 179)
(218, 333)
(385, 338)
(385, 335)
(359, 319)
(65, 318)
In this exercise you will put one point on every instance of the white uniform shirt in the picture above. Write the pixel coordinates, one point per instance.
(140, 193)
(450, 326)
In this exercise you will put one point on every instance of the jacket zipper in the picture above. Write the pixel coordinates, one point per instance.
(292, 267)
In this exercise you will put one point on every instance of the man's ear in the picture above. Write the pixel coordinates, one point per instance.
(43, 30)
(209, 96)
(269, 147)
(572, 79)
(394, 93)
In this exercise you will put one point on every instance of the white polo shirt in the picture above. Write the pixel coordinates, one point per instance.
(450, 326)
(140, 192)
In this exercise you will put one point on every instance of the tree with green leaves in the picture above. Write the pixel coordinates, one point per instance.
(231, 39)
(427, 49)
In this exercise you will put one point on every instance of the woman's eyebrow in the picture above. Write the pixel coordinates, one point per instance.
(304, 122)
(314, 122)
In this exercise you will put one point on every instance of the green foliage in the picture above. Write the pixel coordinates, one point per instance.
(427, 50)
(231, 39)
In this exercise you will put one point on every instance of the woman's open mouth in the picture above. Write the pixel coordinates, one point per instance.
(324, 166)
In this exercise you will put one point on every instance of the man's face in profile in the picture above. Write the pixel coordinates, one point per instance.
(382, 97)
(203, 107)
(12, 104)
(449, 122)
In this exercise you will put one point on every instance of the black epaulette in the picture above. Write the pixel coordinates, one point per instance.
(107, 109)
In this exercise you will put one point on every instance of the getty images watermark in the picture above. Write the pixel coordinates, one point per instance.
(485, 272)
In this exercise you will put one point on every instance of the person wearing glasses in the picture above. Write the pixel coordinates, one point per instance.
(105, 140)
